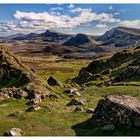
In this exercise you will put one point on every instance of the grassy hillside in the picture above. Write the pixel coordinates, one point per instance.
(55, 118)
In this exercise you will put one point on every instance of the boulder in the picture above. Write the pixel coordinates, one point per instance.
(118, 109)
(53, 82)
(76, 102)
(14, 132)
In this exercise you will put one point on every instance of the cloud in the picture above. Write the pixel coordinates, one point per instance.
(71, 6)
(116, 13)
(107, 18)
(101, 26)
(110, 8)
(79, 10)
(56, 8)
(39, 22)
(130, 23)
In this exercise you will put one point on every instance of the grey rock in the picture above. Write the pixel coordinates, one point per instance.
(53, 82)
(76, 102)
(73, 91)
(118, 109)
(14, 132)
(12, 93)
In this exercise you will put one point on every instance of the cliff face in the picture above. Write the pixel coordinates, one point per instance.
(118, 110)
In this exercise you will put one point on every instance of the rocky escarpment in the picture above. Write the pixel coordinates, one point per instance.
(118, 110)
(123, 66)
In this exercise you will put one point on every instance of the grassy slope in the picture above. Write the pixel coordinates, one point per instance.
(55, 118)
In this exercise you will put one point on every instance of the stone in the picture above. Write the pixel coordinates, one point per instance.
(33, 108)
(90, 111)
(76, 101)
(35, 101)
(37, 108)
(78, 108)
(14, 132)
(73, 91)
(53, 82)
(118, 109)
(108, 127)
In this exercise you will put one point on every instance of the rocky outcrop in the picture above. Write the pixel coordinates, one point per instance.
(14, 132)
(123, 66)
(12, 71)
(17, 93)
(130, 73)
(118, 110)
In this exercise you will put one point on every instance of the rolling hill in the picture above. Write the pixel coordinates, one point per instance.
(81, 40)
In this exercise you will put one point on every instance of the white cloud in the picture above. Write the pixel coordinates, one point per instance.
(101, 26)
(39, 22)
(79, 10)
(107, 18)
(71, 6)
(130, 23)
(110, 8)
(56, 8)
(116, 13)
(65, 21)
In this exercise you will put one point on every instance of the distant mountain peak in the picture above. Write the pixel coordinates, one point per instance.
(78, 40)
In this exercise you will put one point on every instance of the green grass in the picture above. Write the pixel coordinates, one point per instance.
(55, 119)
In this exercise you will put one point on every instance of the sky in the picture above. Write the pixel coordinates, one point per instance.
(92, 19)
